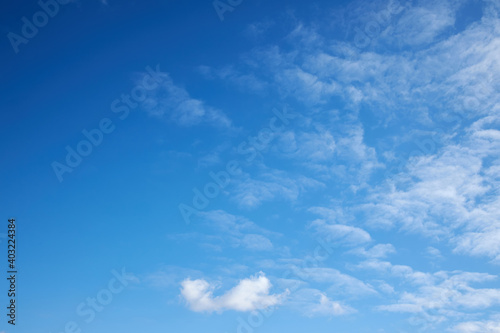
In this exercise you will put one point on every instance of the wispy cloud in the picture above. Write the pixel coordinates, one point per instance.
(376, 251)
(174, 103)
(342, 234)
(238, 231)
(313, 303)
(450, 194)
(338, 283)
(439, 296)
(250, 192)
(487, 326)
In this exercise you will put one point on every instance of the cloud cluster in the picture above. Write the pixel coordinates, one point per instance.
(449, 195)
(420, 69)
(249, 295)
(438, 296)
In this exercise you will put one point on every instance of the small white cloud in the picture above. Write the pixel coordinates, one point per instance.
(174, 103)
(434, 253)
(385, 287)
(250, 192)
(238, 231)
(249, 295)
(327, 307)
(343, 234)
(257, 242)
(314, 303)
(377, 251)
(339, 282)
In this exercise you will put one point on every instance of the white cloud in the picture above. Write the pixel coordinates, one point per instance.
(307, 87)
(257, 242)
(331, 151)
(249, 295)
(245, 82)
(174, 103)
(315, 146)
(333, 214)
(229, 223)
(377, 251)
(338, 282)
(239, 231)
(449, 194)
(342, 234)
(422, 24)
(434, 253)
(250, 192)
(437, 70)
(327, 307)
(314, 303)
(444, 294)
(489, 326)
(401, 271)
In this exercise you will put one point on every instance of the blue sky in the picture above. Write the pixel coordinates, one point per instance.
(252, 166)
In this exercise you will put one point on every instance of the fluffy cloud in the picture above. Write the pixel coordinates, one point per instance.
(249, 295)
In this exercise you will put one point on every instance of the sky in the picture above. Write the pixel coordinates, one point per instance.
(250, 166)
